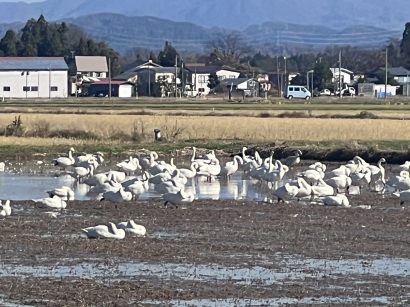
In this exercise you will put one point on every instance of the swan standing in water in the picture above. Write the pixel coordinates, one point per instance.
(5, 210)
(231, 167)
(104, 232)
(189, 173)
(132, 227)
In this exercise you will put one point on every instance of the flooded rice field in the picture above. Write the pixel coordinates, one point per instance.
(234, 245)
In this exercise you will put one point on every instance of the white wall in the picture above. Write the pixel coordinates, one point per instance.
(200, 81)
(42, 80)
(125, 91)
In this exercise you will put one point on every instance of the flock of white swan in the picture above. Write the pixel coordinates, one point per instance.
(314, 183)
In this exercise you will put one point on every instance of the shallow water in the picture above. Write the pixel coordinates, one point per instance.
(291, 269)
(34, 181)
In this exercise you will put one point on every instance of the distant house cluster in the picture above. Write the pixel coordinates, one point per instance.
(52, 77)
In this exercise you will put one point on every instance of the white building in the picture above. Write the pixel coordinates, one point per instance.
(200, 76)
(33, 77)
(346, 75)
(85, 70)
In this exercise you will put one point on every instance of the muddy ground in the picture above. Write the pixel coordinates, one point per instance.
(218, 253)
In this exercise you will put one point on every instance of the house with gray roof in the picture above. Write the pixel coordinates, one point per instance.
(33, 77)
(246, 87)
(151, 79)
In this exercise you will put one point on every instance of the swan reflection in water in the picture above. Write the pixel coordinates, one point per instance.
(29, 187)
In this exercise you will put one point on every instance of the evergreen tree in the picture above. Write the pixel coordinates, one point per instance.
(167, 56)
(213, 81)
(9, 44)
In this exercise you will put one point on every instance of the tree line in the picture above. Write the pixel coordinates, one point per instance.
(42, 38)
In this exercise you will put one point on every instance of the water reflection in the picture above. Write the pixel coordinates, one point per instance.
(21, 187)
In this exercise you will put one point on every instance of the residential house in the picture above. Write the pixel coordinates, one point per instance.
(151, 79)
(200, 76)
(246, 87)
(33, 77)
(85, 70)
(347, 76)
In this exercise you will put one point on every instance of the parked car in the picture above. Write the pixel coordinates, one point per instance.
(326, 92)
(347, 91)
(297, 91)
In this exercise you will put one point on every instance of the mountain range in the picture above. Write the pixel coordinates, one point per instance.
(191, 24)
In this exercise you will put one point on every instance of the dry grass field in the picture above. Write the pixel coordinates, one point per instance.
(117, 128)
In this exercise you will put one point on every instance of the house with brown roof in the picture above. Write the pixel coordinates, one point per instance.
(86, 70)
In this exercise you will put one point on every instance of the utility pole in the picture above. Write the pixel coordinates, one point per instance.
(176, 75)
(109, 78)
(277, 76)
(340, 74)
(385, 81)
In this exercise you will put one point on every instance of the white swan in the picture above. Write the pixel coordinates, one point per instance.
(118, 196)
(318, 165)
(341, 170)
(405, 166)
(132, 227)
(147, 163)
(305, 189)
(129, 166)
(64, 192)
(161, 177)
(116, 175)
(336, 200)
(104, 232)
(210, 170)
(191, 172)
(2, 167)
(178, 198)
(64, 162)
(286, 192)
(339, 183)
(322, 189)
(360, 179)
(109, 185)
(5, 209)
(97, 179)
(137, 188)
(54, 202)
(231, 167)
(170, 186)
(312, 176)
(377, 174)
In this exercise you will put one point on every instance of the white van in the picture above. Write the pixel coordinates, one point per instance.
(297, 91)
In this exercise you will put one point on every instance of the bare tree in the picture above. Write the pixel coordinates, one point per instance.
(228, 49)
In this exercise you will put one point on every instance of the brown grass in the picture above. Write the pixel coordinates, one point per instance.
(117, 128)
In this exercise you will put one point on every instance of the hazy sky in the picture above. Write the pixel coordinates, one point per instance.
(28, 1)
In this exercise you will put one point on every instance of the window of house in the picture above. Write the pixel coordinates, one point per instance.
(54, 88)
(34, 88)
(202, 79)
(201, 90)
(221, 78)
(232, 77)
(26, 88)
(6, 88)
